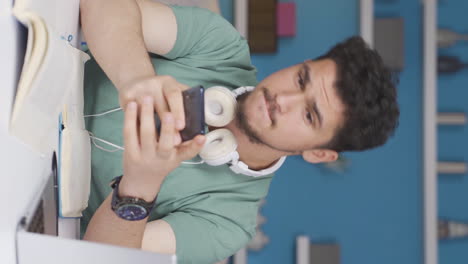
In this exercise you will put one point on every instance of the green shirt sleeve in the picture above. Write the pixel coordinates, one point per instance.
(204, 37)
(212, 210)
(205, 238)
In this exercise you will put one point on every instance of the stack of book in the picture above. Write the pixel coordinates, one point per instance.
(51, 84)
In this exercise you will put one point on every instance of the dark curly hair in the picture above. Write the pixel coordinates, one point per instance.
(367, 89)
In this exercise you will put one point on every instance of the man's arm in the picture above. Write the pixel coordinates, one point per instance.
(159, 237)
(119, 34)
(107, 227)
(146, 162)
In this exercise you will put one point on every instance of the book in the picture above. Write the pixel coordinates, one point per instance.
(50, 85)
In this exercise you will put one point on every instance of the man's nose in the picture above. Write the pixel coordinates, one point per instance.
(288, 101)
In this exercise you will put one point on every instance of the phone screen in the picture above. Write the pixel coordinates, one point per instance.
(194, 110)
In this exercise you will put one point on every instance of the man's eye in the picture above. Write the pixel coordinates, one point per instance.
(309, 117)
(300, 81)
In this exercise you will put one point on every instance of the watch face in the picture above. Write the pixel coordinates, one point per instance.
(132, 212)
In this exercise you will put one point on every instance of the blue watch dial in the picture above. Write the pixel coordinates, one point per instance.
(132, 212)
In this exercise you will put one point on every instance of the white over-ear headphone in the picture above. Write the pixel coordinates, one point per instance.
(220, 146)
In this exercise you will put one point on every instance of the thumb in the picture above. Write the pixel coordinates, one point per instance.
(189, 149)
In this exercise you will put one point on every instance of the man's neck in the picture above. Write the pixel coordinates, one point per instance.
(256, 156)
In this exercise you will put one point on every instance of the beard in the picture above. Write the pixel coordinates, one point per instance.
(243, 123)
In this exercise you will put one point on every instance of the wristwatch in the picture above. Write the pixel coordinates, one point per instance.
(129, 208)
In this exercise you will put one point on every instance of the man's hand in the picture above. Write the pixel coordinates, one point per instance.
(165, 91)
(148, 26)
(147, 160)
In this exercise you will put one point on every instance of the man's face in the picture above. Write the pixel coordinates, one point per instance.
(294, 109)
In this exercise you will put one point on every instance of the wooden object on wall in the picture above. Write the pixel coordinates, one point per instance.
(262, 26)
(389, 41)
(328, 253)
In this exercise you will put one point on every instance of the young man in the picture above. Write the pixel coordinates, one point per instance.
(342, 101)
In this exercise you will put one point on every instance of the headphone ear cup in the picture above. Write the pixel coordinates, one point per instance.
(220, 147)
(220, 106)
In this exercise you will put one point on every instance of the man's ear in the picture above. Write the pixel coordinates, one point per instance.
(319, 155)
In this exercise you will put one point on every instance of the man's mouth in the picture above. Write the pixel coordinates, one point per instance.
(270, 104)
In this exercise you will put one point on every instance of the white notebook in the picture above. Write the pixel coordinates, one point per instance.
(51, 83)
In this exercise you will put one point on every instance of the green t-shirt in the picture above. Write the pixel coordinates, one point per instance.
(211, 209)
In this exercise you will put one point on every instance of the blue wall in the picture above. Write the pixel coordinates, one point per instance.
(374, 209)
(453, 143)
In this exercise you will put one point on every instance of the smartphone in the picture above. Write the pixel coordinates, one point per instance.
(194, 110)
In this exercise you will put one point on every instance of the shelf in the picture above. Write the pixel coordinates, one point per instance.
(367, 21)
(430, 131)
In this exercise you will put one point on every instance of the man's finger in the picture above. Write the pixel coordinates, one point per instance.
(131, 143)
(166, 138)
(147, 126)
(190, 149)
(160, 103)
(176, 106)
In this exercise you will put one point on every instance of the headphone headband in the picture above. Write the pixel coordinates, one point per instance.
(242, 90)
(242, 168)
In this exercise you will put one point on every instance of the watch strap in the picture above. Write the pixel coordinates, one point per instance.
(118, 201)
